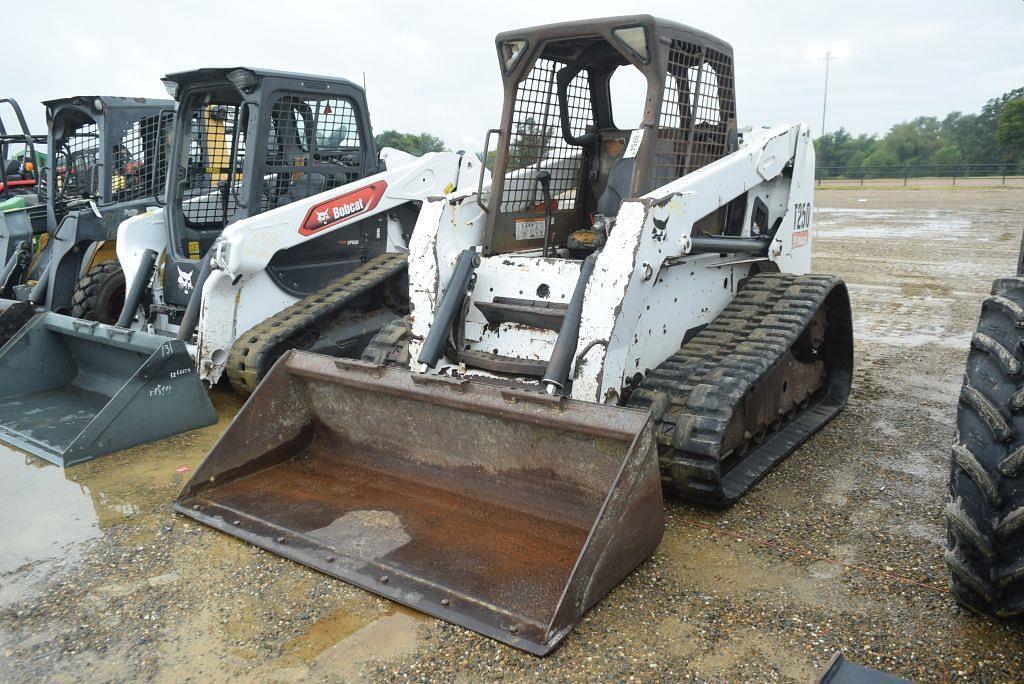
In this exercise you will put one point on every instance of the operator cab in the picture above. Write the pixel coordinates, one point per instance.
(107, 150)
(252, 140)
(106, 161)
(559, 126)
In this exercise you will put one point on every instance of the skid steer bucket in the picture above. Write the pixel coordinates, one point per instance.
(504, 511)
(72, 390)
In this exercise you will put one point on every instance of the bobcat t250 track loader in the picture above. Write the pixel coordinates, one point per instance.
(284, 227)
(625, 308)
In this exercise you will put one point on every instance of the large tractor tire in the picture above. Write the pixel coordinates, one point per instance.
(99, 295)
(985, 514)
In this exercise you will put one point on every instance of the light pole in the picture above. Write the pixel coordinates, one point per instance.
(824, 103)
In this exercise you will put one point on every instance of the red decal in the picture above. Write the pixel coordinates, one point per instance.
(800, 238)
(342, 208)
(18, 183)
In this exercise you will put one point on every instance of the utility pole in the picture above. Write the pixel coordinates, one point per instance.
(824, 103)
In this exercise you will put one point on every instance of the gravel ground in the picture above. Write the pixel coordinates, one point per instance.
(840, 548)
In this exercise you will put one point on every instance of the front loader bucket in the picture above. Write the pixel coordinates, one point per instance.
(71, 390)
(504, 511)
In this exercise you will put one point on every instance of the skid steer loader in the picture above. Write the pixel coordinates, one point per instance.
(624, 309)
(985, 513)
(106, 161)
(284, 227)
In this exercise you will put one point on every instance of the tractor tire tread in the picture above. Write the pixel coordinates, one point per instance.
(85, 299)
(985, 514)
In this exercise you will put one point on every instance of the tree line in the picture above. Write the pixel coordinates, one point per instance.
(993, 136)
(413, 143)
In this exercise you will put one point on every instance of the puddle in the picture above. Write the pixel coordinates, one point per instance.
(886, 315)
(43, 519)
(904, 224)
(46, 512)
(149, 476)
(394, 636)
(41, 512)
(322, 634)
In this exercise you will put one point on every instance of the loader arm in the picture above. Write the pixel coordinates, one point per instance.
(247, 246)
(650, 257)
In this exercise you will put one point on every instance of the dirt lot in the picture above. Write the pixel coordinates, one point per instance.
(840, 548)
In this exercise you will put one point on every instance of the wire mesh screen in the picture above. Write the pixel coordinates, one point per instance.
(76, 166)
(314, 145)
(212, 170)
(697, 106)
(139, 158)
(536, 139)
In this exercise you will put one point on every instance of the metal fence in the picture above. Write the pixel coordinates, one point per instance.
(906, 172)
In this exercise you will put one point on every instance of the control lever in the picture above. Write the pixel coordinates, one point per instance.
(544, 179)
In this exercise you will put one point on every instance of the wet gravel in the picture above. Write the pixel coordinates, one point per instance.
(840, 548)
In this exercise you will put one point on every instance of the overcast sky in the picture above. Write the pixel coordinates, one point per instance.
(431, 66)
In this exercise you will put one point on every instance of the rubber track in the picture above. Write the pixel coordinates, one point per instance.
(252, 354)
(390, 346)
(692, 393)
(985, 513)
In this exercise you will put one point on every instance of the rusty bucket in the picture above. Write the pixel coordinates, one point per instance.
(505, 511)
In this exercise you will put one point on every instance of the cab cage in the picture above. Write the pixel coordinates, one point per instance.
(112, 150)
(558, 116)
(251, 140)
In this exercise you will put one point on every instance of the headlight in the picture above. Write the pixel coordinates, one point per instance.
(243, 79)
(634, 38)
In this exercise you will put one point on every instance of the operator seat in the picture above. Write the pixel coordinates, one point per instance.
(617, 188)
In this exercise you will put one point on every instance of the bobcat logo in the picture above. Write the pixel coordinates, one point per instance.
(323, 216)
(185, 280)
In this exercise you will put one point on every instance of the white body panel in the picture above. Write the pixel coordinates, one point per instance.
(647, 290)
(239, 293)
(137, 234)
